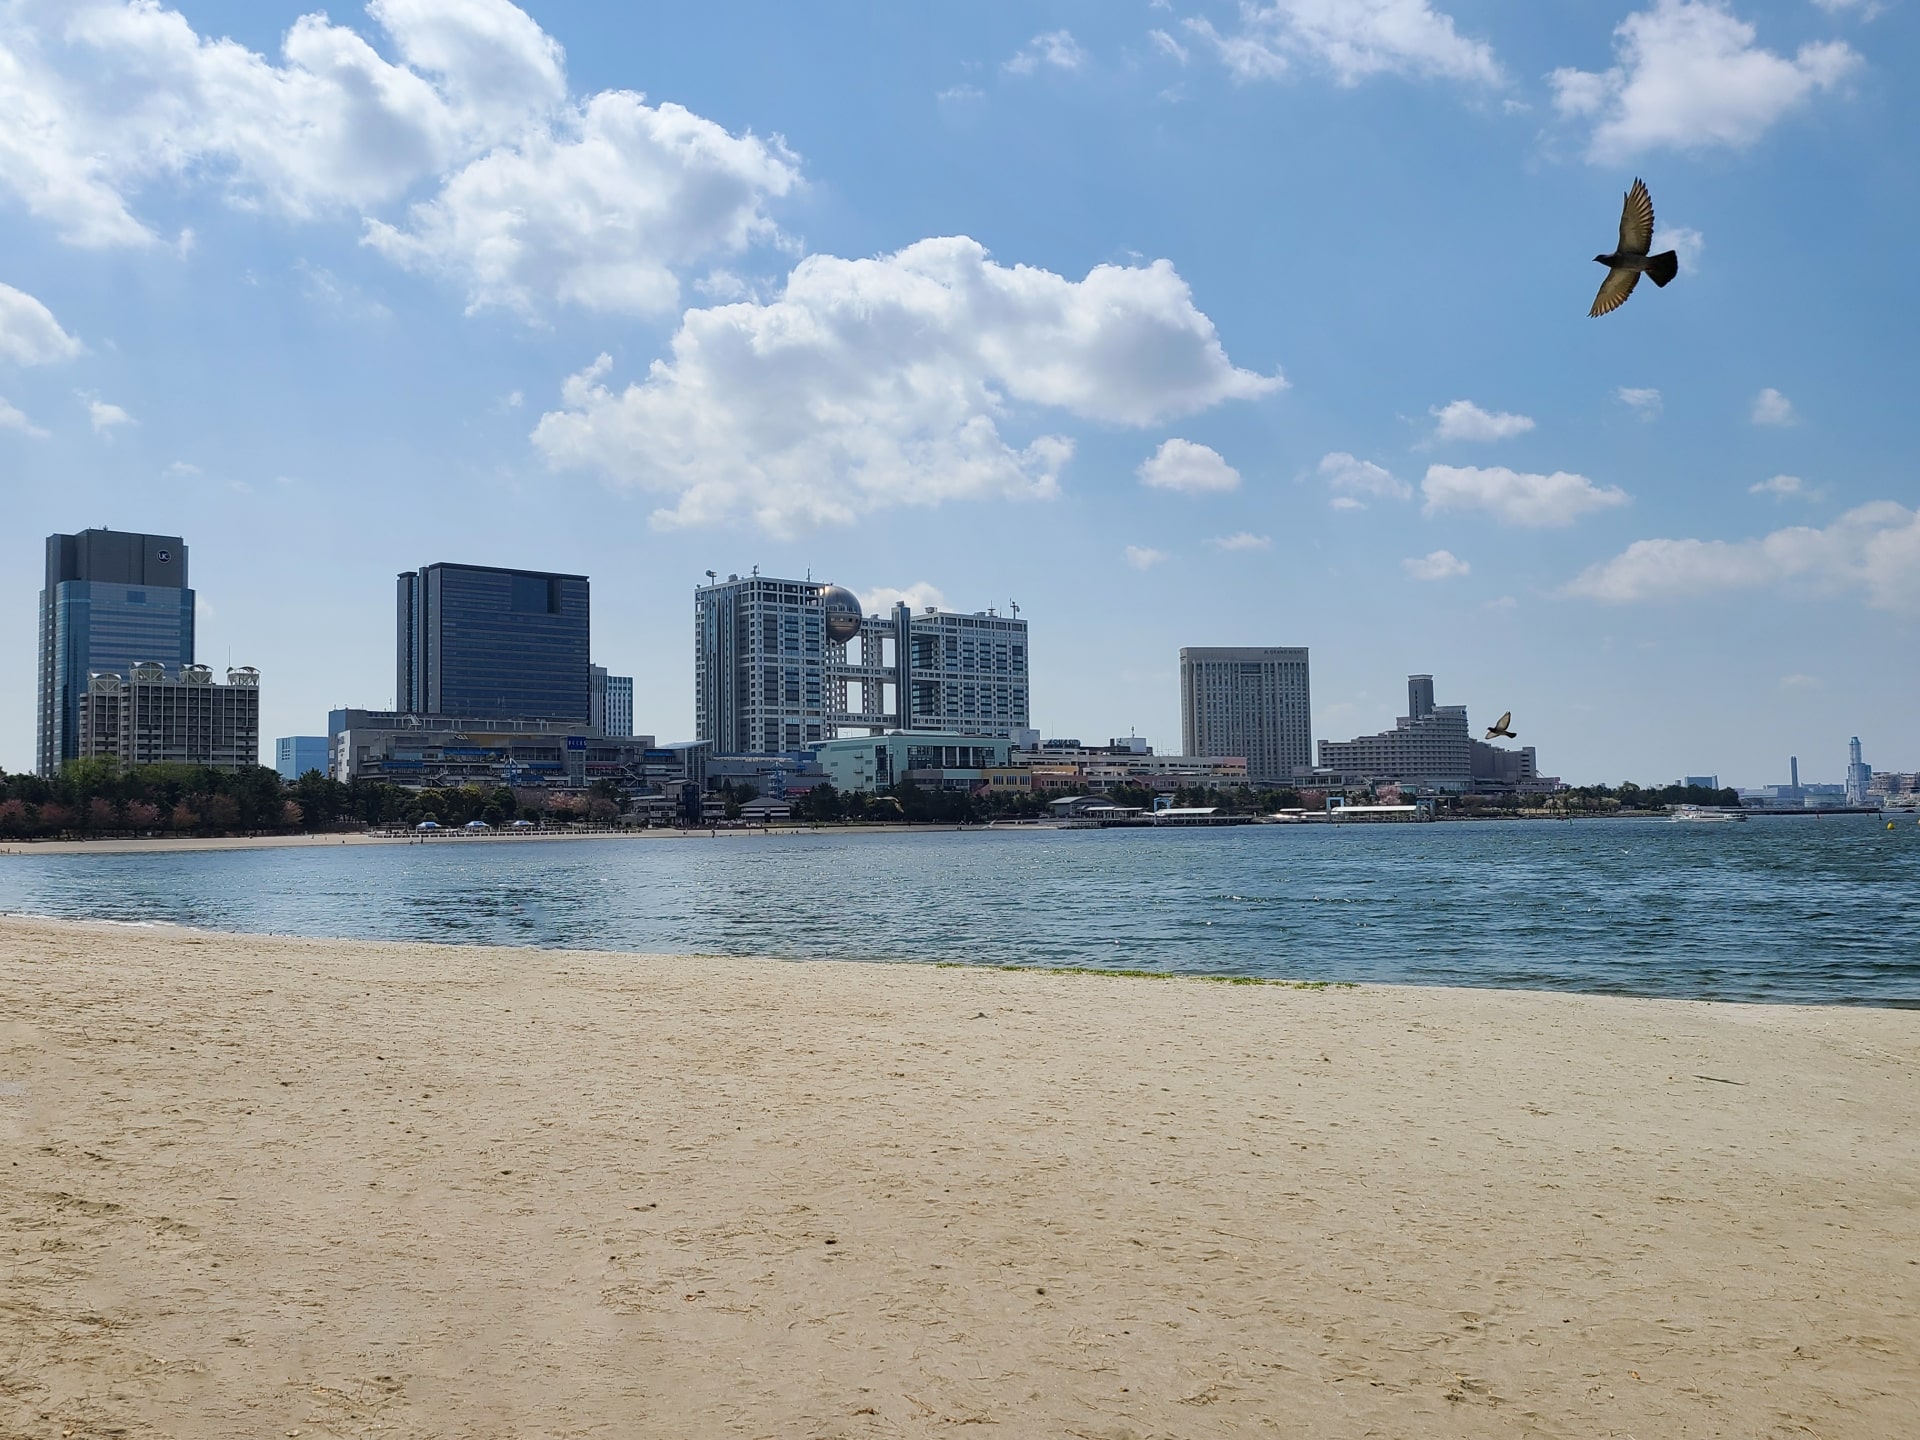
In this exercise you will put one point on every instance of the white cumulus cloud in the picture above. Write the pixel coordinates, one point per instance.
(1770, 407)
(1242, 540)
(11, 418)
(29, 335)
(917, 596)
(600, 211)
(1144, 557)
(1785, 487)
(881, 382)
(1350, 478)
(1464, 420)
(1436, 565)
(1690, 76)
(1515, 497)
(1874, 549)
(1644, 402)
(1352, 39)
(1057, 48)
(1189, 468)
(106, 418)
(536, 196)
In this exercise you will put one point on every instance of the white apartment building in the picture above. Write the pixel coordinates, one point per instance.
(150, 718)
(1252, 702)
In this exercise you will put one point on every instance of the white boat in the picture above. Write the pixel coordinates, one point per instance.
(1699, 816)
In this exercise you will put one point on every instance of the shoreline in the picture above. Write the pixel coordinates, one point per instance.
(169, 844)
(259, 1185)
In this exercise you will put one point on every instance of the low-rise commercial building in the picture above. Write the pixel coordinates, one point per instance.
(929, 758)
(439, 750)
(1068, 765)
(148, 717)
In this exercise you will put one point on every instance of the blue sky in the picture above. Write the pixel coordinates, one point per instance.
(1179, 323)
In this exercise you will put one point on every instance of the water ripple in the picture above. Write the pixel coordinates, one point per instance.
(1804, 909)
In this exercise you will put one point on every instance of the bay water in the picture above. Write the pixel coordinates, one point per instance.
(1806, 909)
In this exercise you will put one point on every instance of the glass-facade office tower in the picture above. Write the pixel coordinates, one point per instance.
(476, 642)
(1250, 701)
(112, 600)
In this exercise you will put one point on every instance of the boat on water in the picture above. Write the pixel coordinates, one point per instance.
(1698, 815)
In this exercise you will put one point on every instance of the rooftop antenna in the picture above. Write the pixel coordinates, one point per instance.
(711, 577)
(756, 572)
(1014, 606)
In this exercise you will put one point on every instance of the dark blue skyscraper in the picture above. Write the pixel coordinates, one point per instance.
(112, 599)
(475, 642)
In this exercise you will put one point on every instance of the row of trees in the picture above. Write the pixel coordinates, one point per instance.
(1625, 797)
(97, 797)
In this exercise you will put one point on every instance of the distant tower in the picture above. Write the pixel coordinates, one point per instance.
(1859, 775)
(1793, 764)
(1419, 696)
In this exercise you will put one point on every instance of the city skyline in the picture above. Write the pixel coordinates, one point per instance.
(1679, 540)
(411, 588)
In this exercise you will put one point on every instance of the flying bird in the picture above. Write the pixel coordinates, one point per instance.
(1499, 727)
(1630, 258)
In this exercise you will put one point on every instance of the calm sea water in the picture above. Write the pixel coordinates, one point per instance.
(1804, 909)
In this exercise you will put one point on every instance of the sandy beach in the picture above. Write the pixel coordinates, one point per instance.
(260, 1187)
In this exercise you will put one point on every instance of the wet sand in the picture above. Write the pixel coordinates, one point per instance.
(259, 1187)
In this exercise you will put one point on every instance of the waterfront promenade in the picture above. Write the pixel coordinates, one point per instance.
(265, 1187)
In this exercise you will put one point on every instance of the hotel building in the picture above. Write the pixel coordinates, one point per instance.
(148, 717)
(1430, 747)
(1252, 703)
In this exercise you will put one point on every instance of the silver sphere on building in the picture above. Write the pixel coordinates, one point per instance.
(843, 613)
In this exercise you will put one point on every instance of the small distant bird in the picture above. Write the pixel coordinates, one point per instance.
(1627, 262)
(1499, 727)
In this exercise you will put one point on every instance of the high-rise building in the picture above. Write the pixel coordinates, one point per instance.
(474, 641)
(1248, 701)
(779, 665)
(112, 600)
(295, 755)
(147, 717)
(611, 711)
(1430, 747)
(1859, 774)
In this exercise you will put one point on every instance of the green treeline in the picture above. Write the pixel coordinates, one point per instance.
(95, 798)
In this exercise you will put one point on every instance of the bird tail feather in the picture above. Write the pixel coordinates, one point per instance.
(1662, 268)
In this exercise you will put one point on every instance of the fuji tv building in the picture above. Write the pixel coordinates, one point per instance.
(782, 665)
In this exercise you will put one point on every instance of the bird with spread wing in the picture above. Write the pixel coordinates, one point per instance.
(1630, 259)
(1499, 728)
